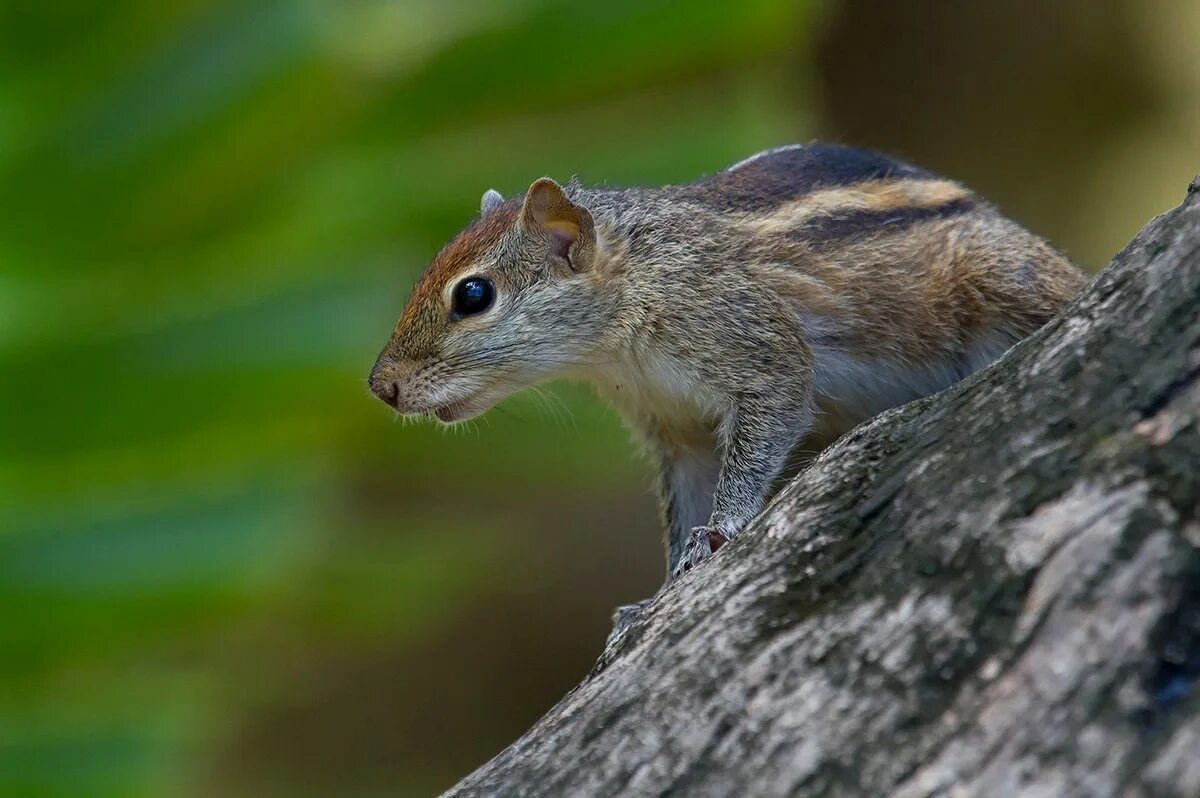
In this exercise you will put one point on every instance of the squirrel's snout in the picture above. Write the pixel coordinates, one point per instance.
(386, 390)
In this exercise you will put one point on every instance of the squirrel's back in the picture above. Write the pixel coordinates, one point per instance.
(783, 174)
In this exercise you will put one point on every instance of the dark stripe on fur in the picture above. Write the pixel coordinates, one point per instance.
(771, 180)
(855, 224)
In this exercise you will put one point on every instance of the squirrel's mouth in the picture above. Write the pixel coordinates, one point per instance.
(460, 410)
(449, 413)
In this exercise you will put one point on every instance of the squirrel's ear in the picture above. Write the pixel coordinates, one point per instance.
(492, 199)
(548, 210)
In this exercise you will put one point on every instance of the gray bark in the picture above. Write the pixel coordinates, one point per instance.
(991, 591)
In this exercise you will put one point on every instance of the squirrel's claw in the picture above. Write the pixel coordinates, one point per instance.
(623, 618)
(703, 541)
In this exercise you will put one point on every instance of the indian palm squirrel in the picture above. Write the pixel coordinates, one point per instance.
(738, 323)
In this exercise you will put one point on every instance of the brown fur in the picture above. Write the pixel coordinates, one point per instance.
(425, 307)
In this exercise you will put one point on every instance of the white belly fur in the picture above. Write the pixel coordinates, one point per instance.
(850, 390)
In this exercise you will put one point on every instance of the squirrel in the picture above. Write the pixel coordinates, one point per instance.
(739, 323)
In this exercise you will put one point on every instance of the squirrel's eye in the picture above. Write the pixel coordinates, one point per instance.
(473, 295)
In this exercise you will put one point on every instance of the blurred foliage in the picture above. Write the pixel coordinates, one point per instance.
(211, 212)
(223, 569)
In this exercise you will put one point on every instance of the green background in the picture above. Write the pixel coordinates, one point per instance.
(224, 568)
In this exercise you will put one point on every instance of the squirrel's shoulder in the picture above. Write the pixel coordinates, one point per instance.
(775, 176)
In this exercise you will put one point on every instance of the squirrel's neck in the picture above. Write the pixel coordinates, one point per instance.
(638, 226)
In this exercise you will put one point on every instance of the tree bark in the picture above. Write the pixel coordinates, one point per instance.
(991, 591)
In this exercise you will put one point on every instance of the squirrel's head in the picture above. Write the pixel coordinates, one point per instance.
(511, 301)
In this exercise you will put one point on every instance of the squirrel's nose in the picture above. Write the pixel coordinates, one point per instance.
(387, 390)
(384, 385)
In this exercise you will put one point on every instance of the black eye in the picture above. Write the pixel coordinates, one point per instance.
(473, 295)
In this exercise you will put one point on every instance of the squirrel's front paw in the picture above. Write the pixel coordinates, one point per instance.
(701, 544)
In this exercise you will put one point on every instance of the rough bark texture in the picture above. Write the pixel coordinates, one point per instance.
(992, 591)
